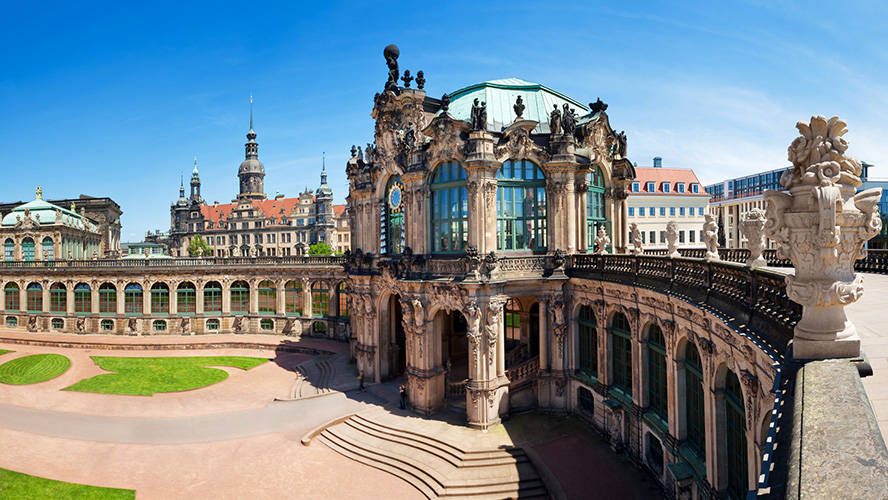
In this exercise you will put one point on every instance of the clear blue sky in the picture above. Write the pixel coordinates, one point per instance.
(116, 99)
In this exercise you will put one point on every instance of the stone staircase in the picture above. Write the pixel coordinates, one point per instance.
(437, 468)
(314, 377)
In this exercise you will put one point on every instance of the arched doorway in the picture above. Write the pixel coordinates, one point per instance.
(393, 340)
(535, 329)
(455, 357)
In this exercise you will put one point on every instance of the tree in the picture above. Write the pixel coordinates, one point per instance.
(320, 249)
(199, 243)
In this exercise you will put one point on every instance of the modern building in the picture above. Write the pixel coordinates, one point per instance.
(251, 224)
(881, 240)
(731, 199)
(659, 195)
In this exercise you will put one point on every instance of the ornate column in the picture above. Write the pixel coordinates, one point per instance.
(94, 297)
(581, 192)
(226, 296)
(146, 298)
(254, 295)
(823, 227)
(486, 391)
(121, 297)
(69, 297)
(199, 296)
(45, 291)
(306, 297)
(280, 287)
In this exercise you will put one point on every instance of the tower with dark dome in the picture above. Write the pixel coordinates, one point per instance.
(251, 172)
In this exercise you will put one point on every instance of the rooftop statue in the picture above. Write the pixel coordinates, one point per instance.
(479, 116)
(420, 80)
(445, 103)
(519, 108)
(357, 154)
(368, 154)
(406, 78)
(597, 106)
(391, 53)
(568, 120)
(555, 121)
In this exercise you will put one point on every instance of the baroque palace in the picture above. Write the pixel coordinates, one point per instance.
(491, 267)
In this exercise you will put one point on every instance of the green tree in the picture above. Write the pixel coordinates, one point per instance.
(319, 249)
(199, 242)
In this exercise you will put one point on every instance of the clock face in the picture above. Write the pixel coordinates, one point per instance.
(395, 197)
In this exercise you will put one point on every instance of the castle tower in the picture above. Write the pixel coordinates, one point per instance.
(195, 184)
(251, 171)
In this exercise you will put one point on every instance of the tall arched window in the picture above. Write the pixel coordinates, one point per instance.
(343, 299)
(82, 299)
(267, 297)
(27, 249)
(58, 298)
(107, 299)
(622, 354)
(520, 207)
(513, 320)
(293, 297)
(588, 330)
(594, 205)
(735, 426)
(320, 299)
(186, 298)
(392, 230)
(240, 297)
(132, 299)
(9, 250)
(35, 297)
(13, 300)
(160, 299)
(47, 248)
(212, 297)
(449, 208)
(656, 371)
(694, 410)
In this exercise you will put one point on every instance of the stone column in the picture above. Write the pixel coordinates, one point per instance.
(45, 296)
(94, 297)
(486, 391)
(146, 298)
(199, 296)
(174, 297)
(23, 296)
(280, 287)
(306, 298)
(254, 295)
(226, 297)
(69, 298)
(582, 192)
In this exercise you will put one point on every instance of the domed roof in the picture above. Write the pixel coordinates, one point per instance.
(251, 166)
(500, 96)
(44, 212)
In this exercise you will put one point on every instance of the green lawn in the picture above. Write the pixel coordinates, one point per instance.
(33, 369)
(4, 351)
(18, 486)
(145, 376)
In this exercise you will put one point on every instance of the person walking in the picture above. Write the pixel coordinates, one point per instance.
(403, 394)
(361, 387)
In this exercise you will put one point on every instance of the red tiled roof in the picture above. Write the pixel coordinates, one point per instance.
(269, 209)
(338, 210)
(644, 175)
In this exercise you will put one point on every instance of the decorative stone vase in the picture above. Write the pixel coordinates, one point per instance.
(753, 228)
(822, 226)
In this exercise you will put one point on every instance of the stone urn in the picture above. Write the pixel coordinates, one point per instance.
(752, 226)
(822, 224)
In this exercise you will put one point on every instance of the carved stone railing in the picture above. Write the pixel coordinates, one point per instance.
(528, 370)
(188, 262)
(755, 298)
(455, 389)
(876, 261)
(516, 355)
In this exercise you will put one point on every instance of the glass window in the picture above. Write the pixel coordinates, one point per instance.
(28, 249)
(521, 207)
(11, 321)
(9, 250)
(588, 329)
(58, 298)
(694, 188)
(159, 325)
(392, 230)
(681, 187)
(343, 299)
(319, 328)
(631, 211)
(662, 211)
(622, 354)
(212, 297)
(186, 298)
(47, 248)
(672, 211)
(160, 299)
(267, 297)
(107, 325)
(212, 324)
(694, 411)
(82, 299)
(449, 208)
(57, 323)
(35, 297)
(320, 299)
(641, 211)
(107, 299)
(665, 187)
(681, 211)
(513, 320)
(735, 426)
(657, 401)
(293, 297)
(132, 299)
(650, 187)
(691, 235)
(13, 299)
(240, 297)
(266, 324)
(681, 236)
(594, 206)
(634, 187)
(652, 211)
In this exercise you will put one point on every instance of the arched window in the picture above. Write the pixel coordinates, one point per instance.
(13, 298)
(392, 230)
(160, 298)
(594, 205)
(35, 297)
(694, 410)
(343, 299)
(735, 426)
(82, 299)
(622, 354)
(107, 299)
(293, 297)
(240, 297)
(212, 297)
(9, 250)
(132, 299)
(588, 330)
(186, 298)
(513, 320)
(47, 248)
(320, 299)
(267, 297)
(27, 249)
(58, 298)
(656, 371)
(449, 208)
(520, 207)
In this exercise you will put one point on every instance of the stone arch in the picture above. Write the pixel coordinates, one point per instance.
(379, 191)
(732, 442)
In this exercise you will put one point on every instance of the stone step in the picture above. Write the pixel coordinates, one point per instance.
(523, 489)
(409, 473)
(314, 377)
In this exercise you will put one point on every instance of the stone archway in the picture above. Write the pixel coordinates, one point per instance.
(454, 357)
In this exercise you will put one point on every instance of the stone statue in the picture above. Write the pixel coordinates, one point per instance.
(519, 108)
(391, 53)
(752, 225)
(473, 320)
(418, 313)
(185, 325)
(357, 153)
(409, 137)
(555, 121)
(601, 241)
(132, 325)
(81, 324)
(420, 80)
(353, 150)
(238, 325)
(635, 234)
(445, 103)
(406, 78)
(479, 115)
(672, 239)
(616, 429)
(568, 121)
(288, 327)
(597, 106)
(620, 145)
(822, 225)
(368, 154)
(710, 237)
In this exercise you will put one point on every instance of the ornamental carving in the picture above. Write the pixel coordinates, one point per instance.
(752, 225)
(446, 143)
(672, 239)
(710, 237)
(517, 144)
(473, 328)
(635, 236)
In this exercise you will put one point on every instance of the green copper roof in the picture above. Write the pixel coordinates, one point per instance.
(47, 213)
(500, 96)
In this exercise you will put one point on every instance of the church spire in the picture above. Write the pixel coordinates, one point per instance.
(251, 172)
